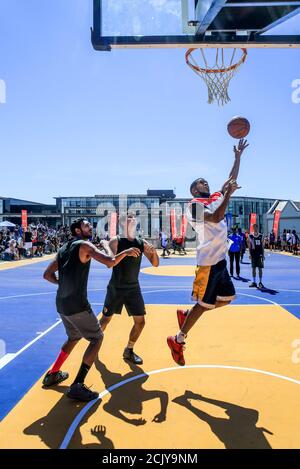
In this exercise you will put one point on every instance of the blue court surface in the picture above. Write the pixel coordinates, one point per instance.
(32, 333)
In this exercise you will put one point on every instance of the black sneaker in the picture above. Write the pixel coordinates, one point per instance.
(253, 285)
(80, 392)
(129, 355)
(54, 378)
(260, 285)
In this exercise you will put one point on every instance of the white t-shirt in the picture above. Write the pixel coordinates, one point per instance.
(212, 237)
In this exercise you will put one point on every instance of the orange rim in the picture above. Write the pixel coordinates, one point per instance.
(220, 70)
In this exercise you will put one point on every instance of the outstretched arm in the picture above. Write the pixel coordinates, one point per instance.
(219, 213)
(238, 151)
(89, 251)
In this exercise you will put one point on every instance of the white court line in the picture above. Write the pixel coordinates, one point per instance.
(289, 304)
(27, 294)
(162, 288)
(66, 441)
(15, 355)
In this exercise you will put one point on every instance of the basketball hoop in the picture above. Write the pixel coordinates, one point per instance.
(218, 76)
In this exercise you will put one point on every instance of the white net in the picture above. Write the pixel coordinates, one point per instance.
(217, 77)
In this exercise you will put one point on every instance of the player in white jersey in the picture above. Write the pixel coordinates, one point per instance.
(212, 286)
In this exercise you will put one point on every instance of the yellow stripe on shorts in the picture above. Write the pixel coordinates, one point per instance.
(201, 280)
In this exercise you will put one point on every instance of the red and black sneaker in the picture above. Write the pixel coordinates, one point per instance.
(176, 350)
(181, 317)
(50, 379)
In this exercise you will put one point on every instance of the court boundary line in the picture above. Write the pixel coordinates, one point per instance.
(73, 427)
(16, 354)
(175, 287)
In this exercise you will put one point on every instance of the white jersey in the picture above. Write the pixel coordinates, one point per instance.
(212, 237)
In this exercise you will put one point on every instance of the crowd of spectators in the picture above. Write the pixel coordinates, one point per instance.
(17, 243)
(287, 241)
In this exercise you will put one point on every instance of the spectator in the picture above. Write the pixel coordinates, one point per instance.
(289, 240)
(284, 245)
(28, 242)
(272, 241)
(235, 252)
(11, 253)
(295, 242)
(278, 243)
(243, 243)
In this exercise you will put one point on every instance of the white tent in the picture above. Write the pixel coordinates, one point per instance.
(6, 224)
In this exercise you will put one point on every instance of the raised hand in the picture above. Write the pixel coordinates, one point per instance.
(238, 150)
(148, 248)
(232, 186)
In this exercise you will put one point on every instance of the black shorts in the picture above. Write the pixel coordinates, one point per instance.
(212, 283)
(257, 261)
(129, 297)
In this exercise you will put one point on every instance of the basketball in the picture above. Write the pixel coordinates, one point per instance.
(238, 127)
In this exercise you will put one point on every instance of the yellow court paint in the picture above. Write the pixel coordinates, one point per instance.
(171, 270)
(247, 407)
(35, 260)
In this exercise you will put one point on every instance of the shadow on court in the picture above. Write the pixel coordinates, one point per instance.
(129, 398)
(241, 279)
(268, 290)
(53, 427)
(239, 431)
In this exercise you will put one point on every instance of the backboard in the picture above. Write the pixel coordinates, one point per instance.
(195, 23)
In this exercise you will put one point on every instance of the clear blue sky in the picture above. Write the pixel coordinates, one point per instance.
(80, 122)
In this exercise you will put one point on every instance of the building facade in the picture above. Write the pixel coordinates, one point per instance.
(289, 216)
(11, 208)
(153, 209)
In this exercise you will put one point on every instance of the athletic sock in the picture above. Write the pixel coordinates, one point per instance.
(83, 371)
(180, 337)
(59, 361)
(130, 344)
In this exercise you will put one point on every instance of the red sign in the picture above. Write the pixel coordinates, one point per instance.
(113, 225)
(252, 221)
(173, 223)
(24, 219)
(184, 223)
(276, 222)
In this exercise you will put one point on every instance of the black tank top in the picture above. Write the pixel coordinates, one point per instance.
(71, 295)
(256, 245)
(126, 273)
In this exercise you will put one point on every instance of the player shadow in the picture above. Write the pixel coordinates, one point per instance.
(242, 279)
(268, 290)
(239, 431)
(129, 398)
(53, 427)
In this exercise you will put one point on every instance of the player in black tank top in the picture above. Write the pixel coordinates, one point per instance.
(256, 253)
(73, 264)
(124, 288)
